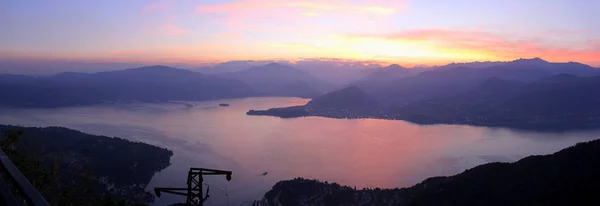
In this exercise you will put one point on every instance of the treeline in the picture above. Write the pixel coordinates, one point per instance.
(73, 168)
(568, 177)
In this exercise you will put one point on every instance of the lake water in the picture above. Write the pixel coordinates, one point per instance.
(361, 153)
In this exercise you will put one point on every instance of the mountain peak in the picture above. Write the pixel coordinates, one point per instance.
(156, 71)
(394, 66)
(275, 66)
(535, 60)
(156, 68)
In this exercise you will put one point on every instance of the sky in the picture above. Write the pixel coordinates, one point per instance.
(407, 32)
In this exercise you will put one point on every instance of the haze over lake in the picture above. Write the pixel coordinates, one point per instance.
(361, 153)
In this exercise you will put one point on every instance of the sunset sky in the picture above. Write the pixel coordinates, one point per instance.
(407, 32)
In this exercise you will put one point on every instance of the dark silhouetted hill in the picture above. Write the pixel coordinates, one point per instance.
(556, 102)
(121, 168)
(347, 98)
(568, 177)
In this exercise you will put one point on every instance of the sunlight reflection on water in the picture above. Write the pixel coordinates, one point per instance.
(362, 153)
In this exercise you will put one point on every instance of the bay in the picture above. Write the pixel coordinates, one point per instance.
(354, 152)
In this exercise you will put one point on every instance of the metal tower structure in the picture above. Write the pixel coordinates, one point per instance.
(193, 192)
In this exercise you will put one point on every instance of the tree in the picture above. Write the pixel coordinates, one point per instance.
(47, 175)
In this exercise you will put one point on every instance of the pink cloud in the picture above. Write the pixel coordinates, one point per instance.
(229, 35)
(168, 28)
(171, 30)
(566, 32)
(311, 5)
(253, 14)
(594, 45)
(155, 7)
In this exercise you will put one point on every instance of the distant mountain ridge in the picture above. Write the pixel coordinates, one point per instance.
(390, 87)
(156, 84)
(335, 72)
(451, 81)
(281, 80)
(144, 84)
(525, 93)
(470, 65)
(384, 76)
(228, 67)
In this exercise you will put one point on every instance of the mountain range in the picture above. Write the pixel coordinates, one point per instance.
(281, 80)
(333, 72)
(156, 84)
(448, 81)
(555, 102)
(228, 67)
(145, 84)
(525, 93)
(384, 76)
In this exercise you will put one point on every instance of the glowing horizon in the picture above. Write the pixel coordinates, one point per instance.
(405, 32)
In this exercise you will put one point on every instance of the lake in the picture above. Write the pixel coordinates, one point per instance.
(361, 153)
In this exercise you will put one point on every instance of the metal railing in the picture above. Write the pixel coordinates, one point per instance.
(15, 189)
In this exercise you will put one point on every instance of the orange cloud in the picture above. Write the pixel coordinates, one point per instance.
(340, 62)
(480, 45)
(302, 28)
(310, 13)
